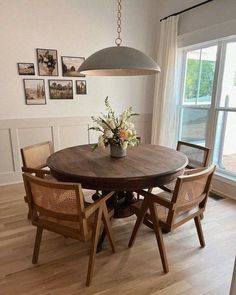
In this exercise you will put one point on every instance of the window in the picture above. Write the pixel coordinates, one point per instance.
(199, 76)
(207, 106)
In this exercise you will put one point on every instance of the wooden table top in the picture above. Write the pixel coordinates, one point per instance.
(144, 166)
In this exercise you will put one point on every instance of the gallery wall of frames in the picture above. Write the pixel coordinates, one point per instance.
(48, 66)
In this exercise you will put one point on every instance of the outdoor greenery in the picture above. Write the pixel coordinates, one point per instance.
(193, 89)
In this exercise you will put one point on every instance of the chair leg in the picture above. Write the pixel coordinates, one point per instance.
(37, 243)
(107, 225)
(159, 237)
(95, 237)
(198, 225)
(138, 222)
(28, 216)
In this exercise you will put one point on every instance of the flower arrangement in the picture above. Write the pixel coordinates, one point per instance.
(116, 131)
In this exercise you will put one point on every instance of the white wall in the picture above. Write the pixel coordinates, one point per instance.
(74, 28)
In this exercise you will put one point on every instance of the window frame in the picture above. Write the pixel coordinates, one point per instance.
(214, 107)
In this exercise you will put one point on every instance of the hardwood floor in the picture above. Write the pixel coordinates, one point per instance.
(63, 263)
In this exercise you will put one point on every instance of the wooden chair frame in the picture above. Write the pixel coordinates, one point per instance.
(173, 208)
(98, 208)
(36, 169)
(206, 151)
(206, 159)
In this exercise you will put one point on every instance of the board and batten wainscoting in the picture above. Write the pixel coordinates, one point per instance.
(63, 132)
(66, 132)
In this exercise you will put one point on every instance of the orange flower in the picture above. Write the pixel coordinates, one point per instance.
(123, 134)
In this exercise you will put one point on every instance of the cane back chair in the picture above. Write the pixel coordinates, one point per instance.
(35, 156)
(170, 210)
(60, 208)
(198, 157)
(34, 160)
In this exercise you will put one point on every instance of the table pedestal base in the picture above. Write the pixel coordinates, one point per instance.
(121, 202)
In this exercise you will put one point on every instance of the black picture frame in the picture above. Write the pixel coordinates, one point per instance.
(81, 87)
(26, 68)
(35, 93)
(58, 89)
(70, 66)
(47, 62)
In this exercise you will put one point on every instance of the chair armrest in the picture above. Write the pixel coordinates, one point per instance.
(94, 206)
(194, 170)
(38, 172)
(166, 189)
(157, 199)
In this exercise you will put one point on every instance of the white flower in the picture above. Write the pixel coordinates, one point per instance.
(108, 133)
(123, 116)
(111, 123)
(101, 141)
(130, 125)
(116, 130)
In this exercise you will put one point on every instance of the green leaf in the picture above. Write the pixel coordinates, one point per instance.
(94, 146)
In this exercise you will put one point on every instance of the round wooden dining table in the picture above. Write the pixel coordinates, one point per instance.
(145, 166)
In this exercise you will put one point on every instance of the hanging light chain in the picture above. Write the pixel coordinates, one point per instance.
(118, 40)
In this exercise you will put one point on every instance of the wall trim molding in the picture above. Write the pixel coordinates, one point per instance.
(63, 131)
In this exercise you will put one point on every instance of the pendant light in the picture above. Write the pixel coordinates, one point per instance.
(119, 60)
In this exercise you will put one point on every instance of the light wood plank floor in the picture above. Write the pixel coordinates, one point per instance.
(63, 263)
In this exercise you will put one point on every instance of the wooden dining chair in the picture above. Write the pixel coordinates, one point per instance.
(60, 208)
(169, 211)
(34, 160)
(198, 157)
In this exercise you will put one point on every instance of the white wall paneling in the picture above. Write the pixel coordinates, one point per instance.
(64, 132)
(7, 165)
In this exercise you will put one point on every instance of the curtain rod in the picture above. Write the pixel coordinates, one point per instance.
(187, 9)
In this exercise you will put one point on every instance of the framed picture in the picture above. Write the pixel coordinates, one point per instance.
(34, 91)
(60, 89)
(81, 87)
(70, 66)
(25, 68)
(47, 62)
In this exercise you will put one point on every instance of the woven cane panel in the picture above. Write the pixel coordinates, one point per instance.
(196, 157)
(36, 156)
(56, 200)
(191, 191)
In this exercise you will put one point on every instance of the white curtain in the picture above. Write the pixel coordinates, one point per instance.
(164, 122)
